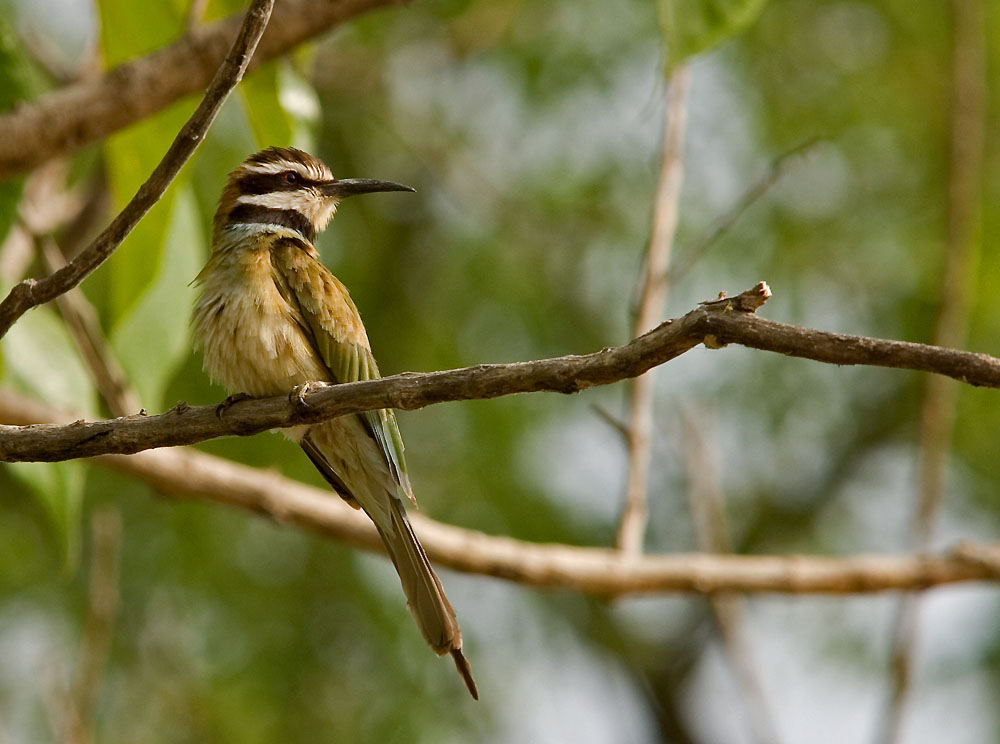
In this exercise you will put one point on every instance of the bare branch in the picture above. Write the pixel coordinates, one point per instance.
(187, 425)
(598, 571)
(720, 322)
(635, 514)
(90, 110)
(591, 570)
(30, 292)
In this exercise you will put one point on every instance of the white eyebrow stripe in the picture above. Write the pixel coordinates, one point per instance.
(276, 167)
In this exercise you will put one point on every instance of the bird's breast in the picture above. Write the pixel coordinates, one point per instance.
(251, 338)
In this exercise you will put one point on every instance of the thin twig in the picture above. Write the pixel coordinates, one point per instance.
(83, 113)
(29, 293)
(694, 253)
(938, 408)
(712, 533)
(632, 528)
(614, 423)
(715, 324)
(47, 203)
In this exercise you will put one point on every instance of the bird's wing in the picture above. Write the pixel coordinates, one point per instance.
(331, 320)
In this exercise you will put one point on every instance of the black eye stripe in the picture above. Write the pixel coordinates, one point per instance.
(248, 214)
(265, 183)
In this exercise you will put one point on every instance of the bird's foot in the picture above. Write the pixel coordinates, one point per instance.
(298, 396)
(220, 410)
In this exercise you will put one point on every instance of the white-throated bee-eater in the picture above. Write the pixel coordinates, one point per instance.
(272, 317)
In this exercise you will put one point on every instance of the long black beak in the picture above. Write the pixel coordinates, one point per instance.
(345, 187)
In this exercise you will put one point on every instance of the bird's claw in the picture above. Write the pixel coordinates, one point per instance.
(220, 410)
(298, 397)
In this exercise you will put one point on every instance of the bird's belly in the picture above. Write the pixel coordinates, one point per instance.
(253, 345)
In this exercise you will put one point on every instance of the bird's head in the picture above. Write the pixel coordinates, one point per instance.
(290, 188)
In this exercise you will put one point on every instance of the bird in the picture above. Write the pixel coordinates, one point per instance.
(271, 318)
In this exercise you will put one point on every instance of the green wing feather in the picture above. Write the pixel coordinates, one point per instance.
(330, 319)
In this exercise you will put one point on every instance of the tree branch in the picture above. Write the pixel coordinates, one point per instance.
(88, 111)
(635, 514)
(599, 571)
(30, 292)
(716, 323)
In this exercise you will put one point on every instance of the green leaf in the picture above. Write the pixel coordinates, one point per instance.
(281, 106)
(693, 26)
(217, 9)
(152, 340)
(259, 92)
(130, 29)
(130, 157)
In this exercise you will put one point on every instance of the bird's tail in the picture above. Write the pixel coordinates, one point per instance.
(424, 594)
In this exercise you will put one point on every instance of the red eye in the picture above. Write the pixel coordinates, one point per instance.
(290, 177)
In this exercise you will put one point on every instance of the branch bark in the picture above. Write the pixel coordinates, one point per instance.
(30, 292)
(598, 571)
(88, 111)
(716, 323)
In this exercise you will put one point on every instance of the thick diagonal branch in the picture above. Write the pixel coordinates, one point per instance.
(30, 292)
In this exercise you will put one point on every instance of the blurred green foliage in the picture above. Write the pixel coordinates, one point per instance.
(531, 133)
